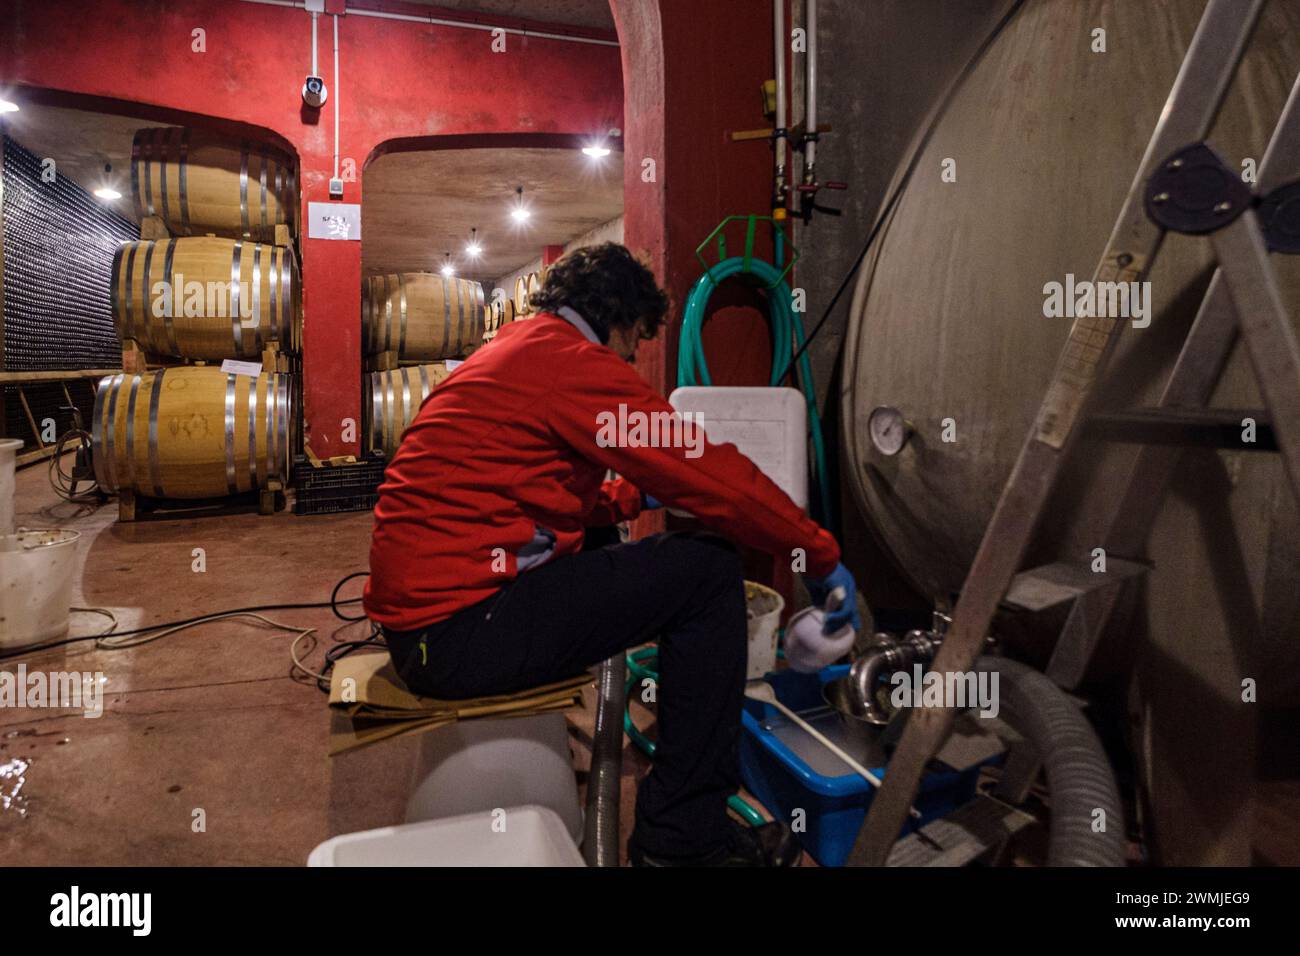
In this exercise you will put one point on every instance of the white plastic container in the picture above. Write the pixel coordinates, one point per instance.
(768, 425)
(476, 765)
(36, 569)
(512, 836)
(8, 453)
(763, 607)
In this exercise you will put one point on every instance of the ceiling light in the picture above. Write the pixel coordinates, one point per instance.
(520, 213)
(7, 106)
(473, 250)
(596, 152)
(104, 192)
(447, 268)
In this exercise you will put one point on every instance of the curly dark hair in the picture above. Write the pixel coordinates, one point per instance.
(607, 286)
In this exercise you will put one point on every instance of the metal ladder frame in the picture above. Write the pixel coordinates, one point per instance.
(1242, 297)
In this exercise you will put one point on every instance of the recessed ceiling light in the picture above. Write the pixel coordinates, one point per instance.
(104, 192)
(596, 152)
(6, 106)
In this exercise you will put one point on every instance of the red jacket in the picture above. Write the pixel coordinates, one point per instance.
(508, 445)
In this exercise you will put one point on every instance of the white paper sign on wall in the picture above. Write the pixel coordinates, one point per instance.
(334, 220)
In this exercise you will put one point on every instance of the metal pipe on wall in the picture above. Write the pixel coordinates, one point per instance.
(810, 112)
(779, 136)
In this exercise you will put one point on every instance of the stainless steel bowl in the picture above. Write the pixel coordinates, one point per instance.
(865, 735)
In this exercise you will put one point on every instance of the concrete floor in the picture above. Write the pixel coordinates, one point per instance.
(209, 718)
(214, 719)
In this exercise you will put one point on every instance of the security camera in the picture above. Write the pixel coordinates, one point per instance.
(314, 93)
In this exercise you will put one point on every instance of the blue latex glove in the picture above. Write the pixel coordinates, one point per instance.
(838, 594)
(649, 503)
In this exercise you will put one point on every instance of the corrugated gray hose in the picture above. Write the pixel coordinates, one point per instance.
(1079, 777)
(600, 829)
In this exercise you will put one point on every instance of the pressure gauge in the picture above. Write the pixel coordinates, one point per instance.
(888, 429)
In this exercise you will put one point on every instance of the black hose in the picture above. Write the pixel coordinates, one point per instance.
(1079, 777)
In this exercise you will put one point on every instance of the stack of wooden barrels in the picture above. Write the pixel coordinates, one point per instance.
(416, 327)
(213, 278)
(501, 312)
(525, 288)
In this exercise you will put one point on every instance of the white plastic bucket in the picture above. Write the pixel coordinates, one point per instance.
(514, 836)
(476, 765)
(763, 608)
(36, 569)
(8, 452)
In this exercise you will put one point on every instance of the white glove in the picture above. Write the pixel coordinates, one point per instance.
(807, 649)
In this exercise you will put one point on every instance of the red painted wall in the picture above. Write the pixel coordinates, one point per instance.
(397, 79)
(693, 72)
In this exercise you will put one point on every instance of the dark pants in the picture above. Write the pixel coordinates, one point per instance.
(684, 589)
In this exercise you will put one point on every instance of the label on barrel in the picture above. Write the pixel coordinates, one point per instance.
(233, 367)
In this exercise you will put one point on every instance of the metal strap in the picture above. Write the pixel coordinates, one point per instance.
(376, 412)
(232, 481)
(425, 387)
(98, 454)
(169, 314)
(111, 433)
(286, 410)
(115, 293)
(243, 188)
(185, 196)
(263, 158)
(147, 311)
(388, 317)
(236, 270)
(401, 286)
(446, 318)
(155, 473)
(252, 428)
(406, 399)
(130, 291)
(268, 428)
(481, 302)
(130, 431)
(279, 192)
(286, 293)
(257, 295)
(273, 279)
(462, 288)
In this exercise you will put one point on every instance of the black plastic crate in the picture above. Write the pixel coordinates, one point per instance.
(331, 489)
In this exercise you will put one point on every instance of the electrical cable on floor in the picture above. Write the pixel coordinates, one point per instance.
(61, 481)
(112, 639)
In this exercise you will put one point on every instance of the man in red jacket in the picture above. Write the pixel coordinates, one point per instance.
(477, 574)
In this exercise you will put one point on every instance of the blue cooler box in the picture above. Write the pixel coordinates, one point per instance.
(835, 806)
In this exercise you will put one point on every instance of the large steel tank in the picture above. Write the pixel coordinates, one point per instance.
(948, 326)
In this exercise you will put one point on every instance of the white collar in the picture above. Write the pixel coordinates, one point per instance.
(579, 323)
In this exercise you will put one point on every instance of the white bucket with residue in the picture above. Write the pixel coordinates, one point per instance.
(763, 608)
(8, 454)
(36, 569)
